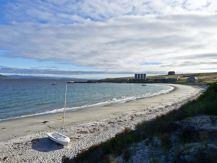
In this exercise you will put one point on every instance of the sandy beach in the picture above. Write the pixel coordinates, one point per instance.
(25, 140)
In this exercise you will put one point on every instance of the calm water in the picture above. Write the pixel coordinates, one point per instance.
(24, 97)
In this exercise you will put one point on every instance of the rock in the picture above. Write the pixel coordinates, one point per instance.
(198, 153)
(198, 128)
(202, 122)
(198, 134)
(44, 122)
(5, 158)
(82, 132)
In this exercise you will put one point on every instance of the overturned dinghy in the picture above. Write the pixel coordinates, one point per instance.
(59, 138)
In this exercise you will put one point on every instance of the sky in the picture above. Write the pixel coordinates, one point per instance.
(107, 38)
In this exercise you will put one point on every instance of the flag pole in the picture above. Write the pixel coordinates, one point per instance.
(64, 112)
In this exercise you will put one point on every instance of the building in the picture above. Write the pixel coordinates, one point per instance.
(171, 73)
(192, 79)
(140, 76)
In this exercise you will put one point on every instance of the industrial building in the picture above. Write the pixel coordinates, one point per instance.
(140, 77)
(171, 73)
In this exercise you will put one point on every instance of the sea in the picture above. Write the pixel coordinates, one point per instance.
(28, 97)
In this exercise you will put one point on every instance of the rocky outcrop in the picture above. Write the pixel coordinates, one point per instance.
(198, 153)
(194, 140)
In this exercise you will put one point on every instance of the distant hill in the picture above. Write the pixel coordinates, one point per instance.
(202, 77)
(182, 78)
(2, 76)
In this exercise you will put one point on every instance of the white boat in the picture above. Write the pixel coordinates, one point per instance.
(59, 138)
(56, 136)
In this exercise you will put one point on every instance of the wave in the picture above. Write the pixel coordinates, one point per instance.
(123, 99)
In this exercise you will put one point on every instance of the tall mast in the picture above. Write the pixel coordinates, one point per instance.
(64, 112)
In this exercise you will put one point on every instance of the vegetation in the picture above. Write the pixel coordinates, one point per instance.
(203, 78)
(160, 126)
(116, 80)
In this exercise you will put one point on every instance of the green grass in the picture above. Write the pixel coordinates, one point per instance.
(160, 126)
(203, 78)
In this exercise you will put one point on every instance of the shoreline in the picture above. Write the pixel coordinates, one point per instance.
(77, 108)
(27, 138)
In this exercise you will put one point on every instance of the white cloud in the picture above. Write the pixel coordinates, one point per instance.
(83, 11)
(125, 35)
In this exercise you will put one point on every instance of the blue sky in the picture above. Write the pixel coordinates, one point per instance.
(114, 37)
(24, 62)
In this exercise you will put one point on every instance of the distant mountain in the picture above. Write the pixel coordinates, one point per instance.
(2, 76)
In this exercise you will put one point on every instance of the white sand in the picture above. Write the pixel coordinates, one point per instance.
(25, 140)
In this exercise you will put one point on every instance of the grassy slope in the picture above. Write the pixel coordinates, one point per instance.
(205, 104)
(203, 78)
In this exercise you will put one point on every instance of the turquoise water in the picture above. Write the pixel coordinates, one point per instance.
(25, 97)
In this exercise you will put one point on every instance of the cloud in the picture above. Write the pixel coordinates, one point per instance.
(65, 73)
(114, 36)
(10, 70)
(82, 11)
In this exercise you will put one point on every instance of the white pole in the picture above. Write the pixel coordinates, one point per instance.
(64, 112)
